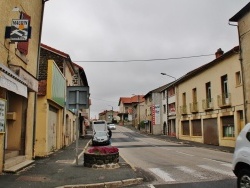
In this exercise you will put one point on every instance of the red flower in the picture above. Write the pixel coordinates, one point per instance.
(103, 150)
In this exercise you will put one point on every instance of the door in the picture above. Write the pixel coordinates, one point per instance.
(210, 129)
(52, 129)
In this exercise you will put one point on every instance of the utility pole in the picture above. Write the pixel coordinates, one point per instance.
(139, 112)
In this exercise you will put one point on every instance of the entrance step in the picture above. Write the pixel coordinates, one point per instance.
(19, 166)
(16, 163)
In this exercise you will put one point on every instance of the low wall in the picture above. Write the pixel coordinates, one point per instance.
(91, 159)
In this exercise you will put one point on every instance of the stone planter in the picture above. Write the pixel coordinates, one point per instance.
(101, 160)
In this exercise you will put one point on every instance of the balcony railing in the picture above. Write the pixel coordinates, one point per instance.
(194, 107)
(224, 100)
(207, 104)
(183, 109)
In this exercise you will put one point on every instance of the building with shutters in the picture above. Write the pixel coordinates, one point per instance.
(19, 58)
(211, 108)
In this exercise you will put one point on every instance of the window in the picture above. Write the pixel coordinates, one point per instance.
(196, 125)
(171, 91)
(228, 126)
(185, 127)
(228, 130)
(163, 94)
(184, 99)
(224, 86)
(208, 92)
(194, 95)
(171, 108)
(164, 109)
(238, 78)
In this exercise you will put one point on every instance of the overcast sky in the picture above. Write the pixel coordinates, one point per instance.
(124, 30)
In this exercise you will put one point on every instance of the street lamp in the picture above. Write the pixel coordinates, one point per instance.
(167, 102)
(167, 75)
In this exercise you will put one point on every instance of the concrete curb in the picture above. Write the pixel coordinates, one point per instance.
(114, 184)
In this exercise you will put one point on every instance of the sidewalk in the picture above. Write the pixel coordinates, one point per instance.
(59, 170)
(187, 142)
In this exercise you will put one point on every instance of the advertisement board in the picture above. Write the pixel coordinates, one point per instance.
(2, 114)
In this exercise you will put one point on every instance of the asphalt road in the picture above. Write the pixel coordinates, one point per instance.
(168, 164)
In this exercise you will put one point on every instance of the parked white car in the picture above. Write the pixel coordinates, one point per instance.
(100, 138)
(241, 158)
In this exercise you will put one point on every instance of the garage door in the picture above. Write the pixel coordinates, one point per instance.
(210, 129)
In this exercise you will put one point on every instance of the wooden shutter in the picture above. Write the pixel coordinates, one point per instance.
(24, 46)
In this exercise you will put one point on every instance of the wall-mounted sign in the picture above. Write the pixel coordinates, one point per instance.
(19, 30)
(2, 115)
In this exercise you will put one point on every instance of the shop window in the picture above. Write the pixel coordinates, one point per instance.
(228, 130)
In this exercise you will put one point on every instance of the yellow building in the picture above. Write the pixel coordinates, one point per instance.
(55, 124)
(210, 101)
(18, 83)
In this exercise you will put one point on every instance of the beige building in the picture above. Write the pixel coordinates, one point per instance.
(243, 20)
(18, 80)
(210, 101)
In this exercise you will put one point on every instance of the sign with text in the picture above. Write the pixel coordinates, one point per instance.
(155, 114)
(2, 114)
(19, 30)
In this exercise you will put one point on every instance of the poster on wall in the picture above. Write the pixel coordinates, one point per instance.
(2, 114)
(155, 114)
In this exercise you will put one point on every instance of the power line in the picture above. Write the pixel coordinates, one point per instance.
(138, 60)
(103, 100)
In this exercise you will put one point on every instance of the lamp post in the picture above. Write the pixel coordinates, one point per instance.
(167, 100)
(168, 75)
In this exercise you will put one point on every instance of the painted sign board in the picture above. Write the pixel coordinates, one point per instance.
(2, 115)
(19, 30)
(156, 114)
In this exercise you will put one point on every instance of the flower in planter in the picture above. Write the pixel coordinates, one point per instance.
(102, 150)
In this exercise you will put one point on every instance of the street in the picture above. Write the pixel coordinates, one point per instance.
(174, 164)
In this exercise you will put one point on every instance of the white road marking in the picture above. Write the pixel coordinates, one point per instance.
(228, 173)
(162, 174)
(212, 160)
(191, 171)
(185, 153)
(222, 163)
(227, 165)
(151, 186)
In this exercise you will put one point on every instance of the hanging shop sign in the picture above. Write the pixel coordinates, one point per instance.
(2, 114)
(19, 31)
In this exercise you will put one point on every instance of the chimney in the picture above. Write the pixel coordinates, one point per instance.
(218, 53)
